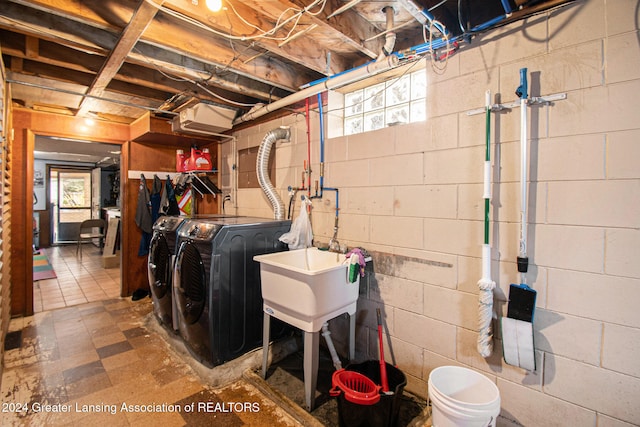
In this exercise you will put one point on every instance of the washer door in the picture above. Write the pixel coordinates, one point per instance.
(159, 266)
(190, 283)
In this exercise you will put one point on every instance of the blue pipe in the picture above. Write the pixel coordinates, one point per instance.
(521, 91)
(442, 42)
(431, 20)
(488, 24)
(426, 47)
(322, 187)
(506, 7)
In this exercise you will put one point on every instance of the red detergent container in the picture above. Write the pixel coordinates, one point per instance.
(200, 160)
(181, 159)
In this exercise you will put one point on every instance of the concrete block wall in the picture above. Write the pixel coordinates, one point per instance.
(412, 196)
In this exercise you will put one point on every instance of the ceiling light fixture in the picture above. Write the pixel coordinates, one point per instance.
(214, 5)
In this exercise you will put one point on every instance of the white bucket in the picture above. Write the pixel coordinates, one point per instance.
(461, 397)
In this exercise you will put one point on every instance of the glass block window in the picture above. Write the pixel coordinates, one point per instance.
(397, 101)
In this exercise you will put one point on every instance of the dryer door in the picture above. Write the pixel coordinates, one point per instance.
(159, 266)
(190, 282)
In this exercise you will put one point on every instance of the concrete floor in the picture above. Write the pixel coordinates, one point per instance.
(79, 364)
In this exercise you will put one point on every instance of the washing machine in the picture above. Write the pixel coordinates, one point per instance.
(216, 285)
(162, 251)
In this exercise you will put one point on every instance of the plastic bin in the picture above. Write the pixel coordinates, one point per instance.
(382, 414)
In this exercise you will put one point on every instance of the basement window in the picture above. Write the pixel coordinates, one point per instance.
(397, 101)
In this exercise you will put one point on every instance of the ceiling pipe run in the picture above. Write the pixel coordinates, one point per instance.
(367, 70)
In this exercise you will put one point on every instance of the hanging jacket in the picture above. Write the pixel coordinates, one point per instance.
(156, 190)
(143, 216)
(170, 195)
(143, 209)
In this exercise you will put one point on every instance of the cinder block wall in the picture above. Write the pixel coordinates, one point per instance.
(412, 196)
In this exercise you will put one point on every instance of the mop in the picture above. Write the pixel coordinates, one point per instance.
(517, 326)
(485, 284)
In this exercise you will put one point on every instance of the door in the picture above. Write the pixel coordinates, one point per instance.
(95, 192)
(71, 201)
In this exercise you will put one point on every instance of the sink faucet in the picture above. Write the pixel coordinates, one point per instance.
(334, 244)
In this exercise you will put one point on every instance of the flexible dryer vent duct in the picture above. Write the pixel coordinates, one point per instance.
(262, 168)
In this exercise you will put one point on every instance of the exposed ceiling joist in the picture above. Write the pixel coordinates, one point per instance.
(129, 37)
(165, 54)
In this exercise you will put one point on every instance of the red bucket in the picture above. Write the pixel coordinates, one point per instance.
(356, 387)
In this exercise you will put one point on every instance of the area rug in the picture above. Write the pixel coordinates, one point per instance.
(42, 268)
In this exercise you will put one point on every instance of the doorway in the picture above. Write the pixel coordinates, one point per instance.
(71, 201)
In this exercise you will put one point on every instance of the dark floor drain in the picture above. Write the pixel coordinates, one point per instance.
(13, 340)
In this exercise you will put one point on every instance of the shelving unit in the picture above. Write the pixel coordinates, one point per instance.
(134, 174)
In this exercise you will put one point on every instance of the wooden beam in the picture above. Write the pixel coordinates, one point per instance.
(130, 36)
(31, 48)
(300, 52)
(147, 71)
(349, 28)
(186, 44)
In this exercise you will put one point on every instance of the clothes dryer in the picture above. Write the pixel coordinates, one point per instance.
(162, 251)
(216, 284)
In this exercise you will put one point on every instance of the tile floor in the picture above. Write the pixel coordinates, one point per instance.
(89, 353)
(78, 281)
(93, 362)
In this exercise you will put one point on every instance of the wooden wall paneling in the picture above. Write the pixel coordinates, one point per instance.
(5, 210)
(21, 267)
(26, 125)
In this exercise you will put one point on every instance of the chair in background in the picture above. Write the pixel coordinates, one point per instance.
(91, 229)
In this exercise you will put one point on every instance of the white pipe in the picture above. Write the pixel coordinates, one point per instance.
(390, 37)
(334, 355)
(487, 180)
(370, 69)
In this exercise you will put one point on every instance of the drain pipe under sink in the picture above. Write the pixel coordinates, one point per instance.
(334, 355)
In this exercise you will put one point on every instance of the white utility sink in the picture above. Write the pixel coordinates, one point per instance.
(307, 287)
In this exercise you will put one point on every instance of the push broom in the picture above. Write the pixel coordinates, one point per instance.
(517, 326)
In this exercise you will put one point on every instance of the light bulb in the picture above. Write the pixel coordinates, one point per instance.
(214, 5)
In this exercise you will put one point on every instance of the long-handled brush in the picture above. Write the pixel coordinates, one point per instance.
(486, 284)
(517, 326)
(383, 365)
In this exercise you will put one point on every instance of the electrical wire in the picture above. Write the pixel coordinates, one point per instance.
(462, 27)
(434, 59)
(239, 104)
(263, 34)
(194, 82)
